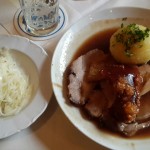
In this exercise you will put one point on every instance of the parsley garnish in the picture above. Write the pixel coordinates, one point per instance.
(122, 25)
(125, 18)
(130, 35)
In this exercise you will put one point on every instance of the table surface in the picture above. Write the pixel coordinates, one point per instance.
(53, 131)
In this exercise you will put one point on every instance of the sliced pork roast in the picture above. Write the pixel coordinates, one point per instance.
(116, 94)
(79, 89)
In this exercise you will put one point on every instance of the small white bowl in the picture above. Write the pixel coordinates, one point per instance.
(36, 64)
(64, 52)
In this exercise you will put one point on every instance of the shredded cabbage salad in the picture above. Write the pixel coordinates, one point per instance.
(15, 88)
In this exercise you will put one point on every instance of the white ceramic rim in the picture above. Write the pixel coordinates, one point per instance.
(13, 124)
(111, 13)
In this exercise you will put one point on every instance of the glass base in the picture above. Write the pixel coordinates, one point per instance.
(40, 32)
(32, 34)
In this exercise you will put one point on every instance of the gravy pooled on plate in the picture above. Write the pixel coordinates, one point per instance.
(111, 91)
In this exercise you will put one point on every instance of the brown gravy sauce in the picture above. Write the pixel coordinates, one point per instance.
(101, 41)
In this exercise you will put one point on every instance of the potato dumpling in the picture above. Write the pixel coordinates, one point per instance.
(131, 44)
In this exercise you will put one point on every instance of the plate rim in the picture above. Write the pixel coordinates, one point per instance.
(129, 147)
(13, 127)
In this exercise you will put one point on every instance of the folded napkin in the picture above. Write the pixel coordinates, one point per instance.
(3, 30)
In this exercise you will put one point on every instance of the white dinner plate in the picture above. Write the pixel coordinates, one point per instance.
(36, 63)
(65, 50)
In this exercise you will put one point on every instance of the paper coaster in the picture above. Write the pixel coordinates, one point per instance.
(21, 28)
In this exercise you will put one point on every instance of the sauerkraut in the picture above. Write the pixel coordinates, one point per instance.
(15, 88)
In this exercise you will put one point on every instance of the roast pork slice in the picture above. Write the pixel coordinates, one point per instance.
(76, 77)
(108, 91)
(145, 73)
(127, 129)
(96, 104)
(144, 109)
(77, 81)
(131, 129)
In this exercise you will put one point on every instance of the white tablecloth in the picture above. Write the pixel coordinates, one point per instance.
(53, 131)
